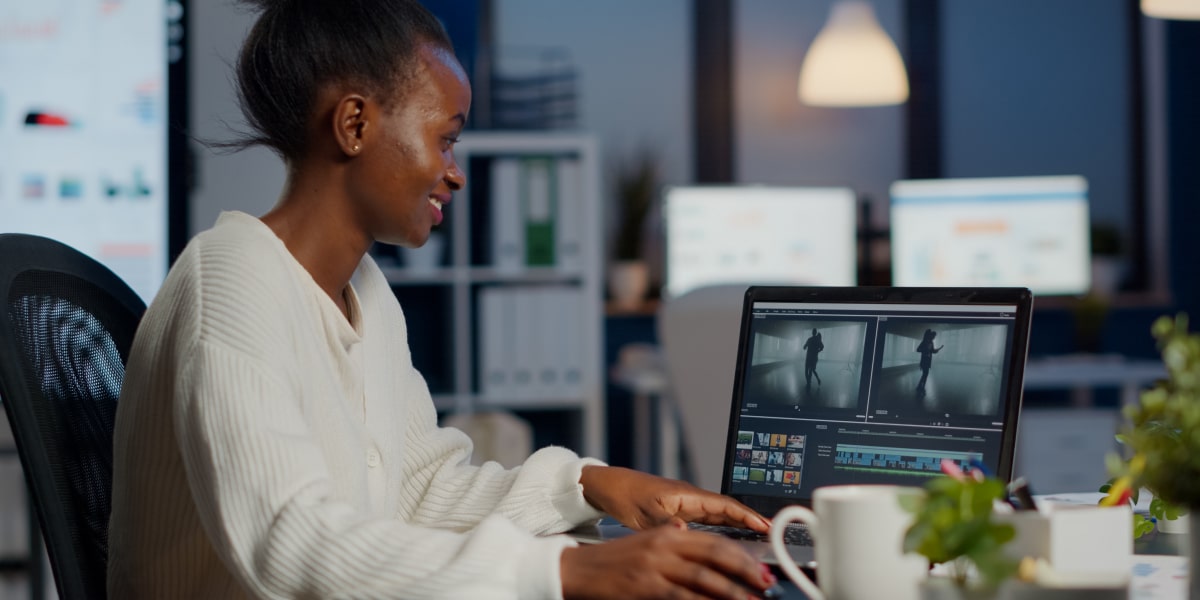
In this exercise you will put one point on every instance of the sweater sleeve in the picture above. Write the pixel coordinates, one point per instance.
(542, 496)
(439, 487)
(265, 499)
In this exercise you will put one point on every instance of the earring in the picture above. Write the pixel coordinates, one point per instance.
(355, 148)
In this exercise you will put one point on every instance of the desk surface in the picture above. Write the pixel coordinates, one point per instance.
(1162, 585)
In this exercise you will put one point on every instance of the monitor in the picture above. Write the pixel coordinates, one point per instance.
(1007, 231)
(759, 235)
(87, 93)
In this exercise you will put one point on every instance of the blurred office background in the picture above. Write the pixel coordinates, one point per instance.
(709, 89)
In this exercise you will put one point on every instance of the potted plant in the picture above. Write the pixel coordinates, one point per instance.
(953, 525)
(1106, 259)
(635, 181)
(1163, 433)
(1090, 311)
(1161, 515)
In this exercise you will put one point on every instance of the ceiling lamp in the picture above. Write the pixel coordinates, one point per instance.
(1172, 9)
(853, 62)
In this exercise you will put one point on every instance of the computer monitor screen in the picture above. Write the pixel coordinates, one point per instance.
(1010, 231)
(84, 123)
(759, 235)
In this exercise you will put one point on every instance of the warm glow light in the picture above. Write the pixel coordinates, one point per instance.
(1172, 9)
(853, 62)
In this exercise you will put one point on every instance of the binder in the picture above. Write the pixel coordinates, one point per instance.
(546, 358)
(569, 211)
(495, 376)
(538, 191)
(508, 236)
(571, 340)
(525, 339)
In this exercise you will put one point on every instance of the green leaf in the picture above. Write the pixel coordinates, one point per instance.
(1157, 506)
(1141, 525)
(953, 523)
(1172, 511)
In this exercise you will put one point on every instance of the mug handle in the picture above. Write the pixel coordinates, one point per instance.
(779, 524)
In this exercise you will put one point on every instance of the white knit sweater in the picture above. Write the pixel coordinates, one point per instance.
(266, 447)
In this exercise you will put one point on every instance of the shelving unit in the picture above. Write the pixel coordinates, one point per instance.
(444, 306)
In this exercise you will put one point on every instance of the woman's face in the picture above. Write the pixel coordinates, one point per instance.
(406, 172)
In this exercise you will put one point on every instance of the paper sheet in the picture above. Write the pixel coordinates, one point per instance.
(1157, 577)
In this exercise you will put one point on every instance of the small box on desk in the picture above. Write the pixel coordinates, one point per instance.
(1076, 541)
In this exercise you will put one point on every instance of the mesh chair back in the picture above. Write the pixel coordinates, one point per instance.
(66, 327)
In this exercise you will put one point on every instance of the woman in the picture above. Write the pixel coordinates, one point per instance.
(273, 439)
(926, 349)
(813, 347)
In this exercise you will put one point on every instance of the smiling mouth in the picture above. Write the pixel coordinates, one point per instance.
(437, 210)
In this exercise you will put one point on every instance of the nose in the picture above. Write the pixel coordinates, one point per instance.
(455, 178)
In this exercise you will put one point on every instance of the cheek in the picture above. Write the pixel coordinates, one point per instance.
(419, 164)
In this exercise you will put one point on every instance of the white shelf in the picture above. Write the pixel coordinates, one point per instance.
(463, 277)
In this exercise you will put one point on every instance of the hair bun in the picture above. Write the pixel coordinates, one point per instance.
(262, 5)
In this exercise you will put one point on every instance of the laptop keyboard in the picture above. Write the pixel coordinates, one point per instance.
(796, 534)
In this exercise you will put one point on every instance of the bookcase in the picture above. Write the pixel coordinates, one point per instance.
(504, 306)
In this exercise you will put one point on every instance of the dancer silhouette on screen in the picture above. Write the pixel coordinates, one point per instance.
(814, 346)
(927, 351)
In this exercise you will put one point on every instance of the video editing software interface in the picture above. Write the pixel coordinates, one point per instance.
(869, 393)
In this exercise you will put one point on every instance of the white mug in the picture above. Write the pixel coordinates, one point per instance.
(858, 531)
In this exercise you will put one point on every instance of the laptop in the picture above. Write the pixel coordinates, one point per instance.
(866, 385)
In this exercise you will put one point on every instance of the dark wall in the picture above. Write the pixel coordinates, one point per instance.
(1127, 330)
(1183, 129)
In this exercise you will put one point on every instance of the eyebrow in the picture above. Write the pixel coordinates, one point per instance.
(461, 118)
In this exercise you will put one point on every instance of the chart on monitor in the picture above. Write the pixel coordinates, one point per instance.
(1007, 231)
(84, 123)
(744, 234)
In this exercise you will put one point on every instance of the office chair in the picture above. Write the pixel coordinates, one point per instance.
(66, 327)
(698, 332)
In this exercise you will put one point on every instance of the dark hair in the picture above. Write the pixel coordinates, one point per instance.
(296, 46)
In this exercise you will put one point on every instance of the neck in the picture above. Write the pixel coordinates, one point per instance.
(314, 223)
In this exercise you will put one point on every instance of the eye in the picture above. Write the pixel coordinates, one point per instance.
(448, 142)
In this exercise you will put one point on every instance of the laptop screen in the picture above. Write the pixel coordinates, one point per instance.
(873, 391)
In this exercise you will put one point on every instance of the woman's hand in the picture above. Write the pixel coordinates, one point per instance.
(664, 562)
(642, 501)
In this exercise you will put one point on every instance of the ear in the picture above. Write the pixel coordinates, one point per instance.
(350, 119)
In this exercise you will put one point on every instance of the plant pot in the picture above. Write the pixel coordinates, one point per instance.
(1180, 525)
(628, 282)
(1107, 272)
(945, 588)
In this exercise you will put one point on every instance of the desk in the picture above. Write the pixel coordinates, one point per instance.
(1082, 373)
(1155, 547)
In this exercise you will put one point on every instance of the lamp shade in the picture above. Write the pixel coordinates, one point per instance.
(1172, 9)
(852, 62)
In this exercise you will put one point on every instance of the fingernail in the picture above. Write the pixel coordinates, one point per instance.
(775, 591)
(767, 575)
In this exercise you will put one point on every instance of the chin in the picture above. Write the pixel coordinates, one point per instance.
(403, 241)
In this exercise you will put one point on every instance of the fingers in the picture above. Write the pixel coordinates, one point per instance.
(738, 513)
(717, 567)
(663, 563)
(663, 501)
(721, 510)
